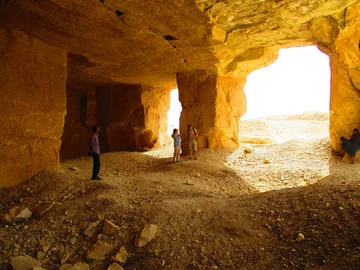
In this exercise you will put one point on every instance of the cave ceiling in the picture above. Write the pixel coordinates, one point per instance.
(148, 42)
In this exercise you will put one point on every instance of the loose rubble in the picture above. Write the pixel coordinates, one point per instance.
(227, 210)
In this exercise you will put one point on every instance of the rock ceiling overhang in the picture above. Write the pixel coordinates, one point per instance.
(148, 42)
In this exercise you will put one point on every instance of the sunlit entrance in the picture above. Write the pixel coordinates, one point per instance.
(298, 81)
(174, 112)
(285, 132)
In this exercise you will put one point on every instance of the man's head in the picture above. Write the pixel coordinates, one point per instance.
(355, 131)
(175, 130)
(189, 126)
(95, 129)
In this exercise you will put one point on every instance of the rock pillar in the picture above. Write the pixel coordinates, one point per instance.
(213, 105)
(345, 80)
(344, 104)
(32, 83)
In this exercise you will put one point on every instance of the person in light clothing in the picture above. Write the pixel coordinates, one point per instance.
(177, 145)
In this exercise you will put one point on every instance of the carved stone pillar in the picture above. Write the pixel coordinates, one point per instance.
(213, 105)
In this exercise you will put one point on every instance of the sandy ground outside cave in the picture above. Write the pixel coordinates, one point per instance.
(227, 210)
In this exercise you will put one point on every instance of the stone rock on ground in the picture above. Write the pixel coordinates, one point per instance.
(145, 235)
(109, 227)
(99, 250)
(42, 209)
(17, 213)
(76, 266)
(24, 263)
(115, 266)
(121, 256)
(300, 237)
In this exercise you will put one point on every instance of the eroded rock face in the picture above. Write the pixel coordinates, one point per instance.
(124, 57)
(32, 82)
(130, 117)
(81, 108)
(345, 88)
(148, 44)
(213, 105)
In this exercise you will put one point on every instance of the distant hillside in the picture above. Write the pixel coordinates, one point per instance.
(308, 116)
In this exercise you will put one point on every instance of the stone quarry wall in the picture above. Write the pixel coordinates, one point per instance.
(136, 116)
(32, 82)
(345, 79)
(81, 107)
(130, 117)
(213, 105)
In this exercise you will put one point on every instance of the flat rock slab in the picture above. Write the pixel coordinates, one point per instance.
(99, 250)
(24, 263)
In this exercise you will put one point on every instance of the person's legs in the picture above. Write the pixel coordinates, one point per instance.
(352, 158)
(177, 153)
(174, 157)
(195, 149)
(191, 147)
(96, 167)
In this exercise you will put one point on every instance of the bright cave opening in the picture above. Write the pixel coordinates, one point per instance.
(285, 132)
(174, 111)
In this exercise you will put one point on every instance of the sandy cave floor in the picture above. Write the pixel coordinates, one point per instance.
(227, 210)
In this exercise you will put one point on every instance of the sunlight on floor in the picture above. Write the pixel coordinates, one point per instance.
(296, 151)
(268, 168)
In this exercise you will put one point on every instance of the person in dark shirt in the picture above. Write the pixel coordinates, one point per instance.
(351, 146)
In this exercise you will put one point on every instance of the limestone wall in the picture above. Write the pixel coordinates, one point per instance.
(156, 102)
(230, 106)
(197, 95)
(81, 107)
(130, 117)
(213, 105)
(32, 83)
(134, 117)
(345, 79)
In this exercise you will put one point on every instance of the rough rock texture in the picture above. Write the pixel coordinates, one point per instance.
(118, 47)
(81, 102)
(213, 105)
(24, 263)
(250, 28)
(148, 44)
(345, 86)
(131, 117)
(32, 83)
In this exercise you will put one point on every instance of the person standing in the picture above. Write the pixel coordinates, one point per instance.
(351, 146)
(177, 145)
(192, 138)
(95, 153)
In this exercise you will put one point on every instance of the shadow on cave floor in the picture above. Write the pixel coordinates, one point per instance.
(230, 209)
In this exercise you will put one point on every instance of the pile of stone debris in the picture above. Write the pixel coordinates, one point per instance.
(102, 247)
